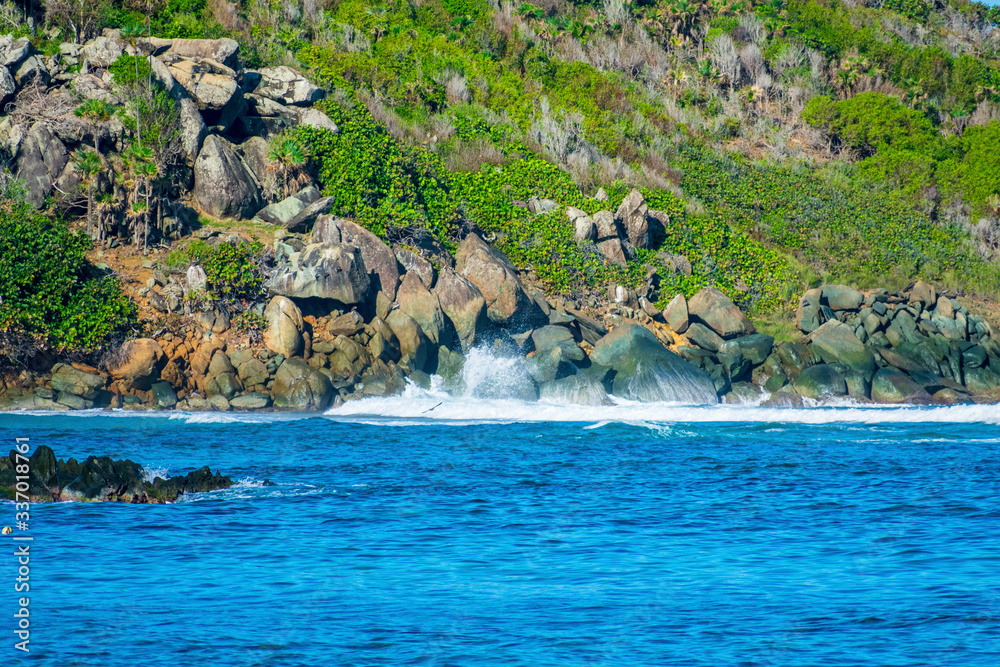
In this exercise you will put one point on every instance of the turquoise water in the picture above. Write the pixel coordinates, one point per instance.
(716, 536)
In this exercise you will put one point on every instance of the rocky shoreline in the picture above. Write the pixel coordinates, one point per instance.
(350, 316)
(98, 479)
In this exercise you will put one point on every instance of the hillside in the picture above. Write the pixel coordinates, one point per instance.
(618, 153)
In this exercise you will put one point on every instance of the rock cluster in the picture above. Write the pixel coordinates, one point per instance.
(633, 225)
(227, 114)
(100, 478)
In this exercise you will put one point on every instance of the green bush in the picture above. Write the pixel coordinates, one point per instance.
(232, 269)
(49, 292)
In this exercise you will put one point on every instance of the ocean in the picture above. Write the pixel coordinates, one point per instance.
(425, 530)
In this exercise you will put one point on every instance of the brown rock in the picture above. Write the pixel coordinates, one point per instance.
(141, 361)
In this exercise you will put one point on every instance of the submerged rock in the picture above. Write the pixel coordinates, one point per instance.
(100, 478)
(646, 371)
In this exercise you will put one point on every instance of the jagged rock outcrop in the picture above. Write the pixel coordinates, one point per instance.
(379, 260)
(463, 304)
(285, 85)
(334, 271)
(507, 299)
(40, 161)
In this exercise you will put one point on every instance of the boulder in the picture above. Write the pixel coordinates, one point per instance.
(891, 386)
(13, 51)
(809, 315)
(306, 219)
(835, 342)
(507, 300)
(213, 88)
(164, 395)
(646, 371)
(944, 308)
(253, 372)
(193, 130)
(924, 294)
(414, 263)
(223, 51)
(412, 341)
(714, 309)
(463, 304)
(424, 307)
(379, 260)
(324, 271)
(282, 212)
(704, 337)
(820, 382)
(555, 336)
(139, 364)
(676, 314)
(631, 217)
(196, 278)
(755, 347)
(32, 69)
(285, 85)
(316, 118)
(299, 386)
(223, 185)
(40, 161)
(90, 87)
(584, 228)
(74, 381)
(608, 240)
(842, 297)
(103, 51)
(7, 86)
(284, 327)
(346, 324)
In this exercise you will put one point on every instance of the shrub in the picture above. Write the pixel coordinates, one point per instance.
(49, 292)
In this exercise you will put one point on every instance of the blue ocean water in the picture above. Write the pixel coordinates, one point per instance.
(398, 532)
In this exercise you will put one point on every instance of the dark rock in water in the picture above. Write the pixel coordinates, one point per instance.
(859, 386)
(891, 386)
(836, 343)
(714, 309)
(646, 371)
(164, 395)
(549, 365)
(983, 381)
(578, 389)
(819, 382)
(100, 479)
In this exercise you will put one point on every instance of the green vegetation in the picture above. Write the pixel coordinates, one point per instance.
(50, 295)
(232, 269)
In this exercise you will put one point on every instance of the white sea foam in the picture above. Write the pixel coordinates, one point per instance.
(417, 406)
(149, 473)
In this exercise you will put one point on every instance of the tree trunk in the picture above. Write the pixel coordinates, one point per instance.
(90, 208)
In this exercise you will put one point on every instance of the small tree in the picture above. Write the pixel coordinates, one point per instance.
(96, 112)
(88, 163)
(288, 154)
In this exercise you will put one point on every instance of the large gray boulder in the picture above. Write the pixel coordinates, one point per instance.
(835, 342)
(379, 259)
(412, 262)
(714, 309)
(507, 299)
(820, 382)
(40, 161)
(325, 271)
(223, 185)
(809, 314)
(646, 371)
(842, 297)
(285, 85)
(676, 314)
(306, 219)
(284, 327)
(412, 341)
(463, 304)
